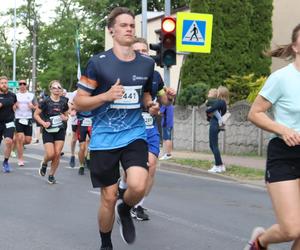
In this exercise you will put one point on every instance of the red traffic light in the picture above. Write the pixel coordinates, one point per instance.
(168, 41)
(168, 24)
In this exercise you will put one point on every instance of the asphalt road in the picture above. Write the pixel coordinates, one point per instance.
(187, 211)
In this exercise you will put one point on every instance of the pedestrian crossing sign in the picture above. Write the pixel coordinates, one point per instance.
(193, 32)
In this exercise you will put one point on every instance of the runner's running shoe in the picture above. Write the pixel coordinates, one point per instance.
(253, 242)
(42, 169)
(127, 229)
(51, 179)
(6, 167)
(21, 163)
(72, 161)
(81, 171)
(139, 213)
(106, 248)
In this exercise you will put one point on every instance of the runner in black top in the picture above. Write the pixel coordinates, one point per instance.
(51, 114)
(7, 116)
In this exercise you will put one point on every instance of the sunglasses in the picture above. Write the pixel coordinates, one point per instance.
(22, 83)
(56, 87)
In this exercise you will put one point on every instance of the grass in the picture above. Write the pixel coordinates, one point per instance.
(239, 172)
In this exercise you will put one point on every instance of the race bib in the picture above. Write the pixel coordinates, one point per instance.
(52, 130)
(86, 122)
(24, 121)
(56, 121)
(130, 99)
(10, 125)
(149, 121)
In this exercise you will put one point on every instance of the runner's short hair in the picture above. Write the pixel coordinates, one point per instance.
(116, 12)
(3, 77)
(140, 40)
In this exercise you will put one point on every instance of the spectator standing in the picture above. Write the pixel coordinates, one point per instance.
(219, 105)
(167, 123)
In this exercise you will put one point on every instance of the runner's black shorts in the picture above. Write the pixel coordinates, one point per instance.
(51, 137)
(104, 164)
(6, 132)
(283, 162)
(83, 131)
(74, 128)
(26, 129)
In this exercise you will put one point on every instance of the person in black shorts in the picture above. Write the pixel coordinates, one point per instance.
(23, 119)
(84, 129)
(51, 113)
(115, 85)
(280, 94)
(7, 116)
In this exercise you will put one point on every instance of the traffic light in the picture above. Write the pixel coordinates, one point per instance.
(157, 58)
(168, 41)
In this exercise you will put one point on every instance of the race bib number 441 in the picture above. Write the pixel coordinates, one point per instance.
(130, 100)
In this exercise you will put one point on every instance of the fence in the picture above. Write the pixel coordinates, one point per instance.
(239, 137)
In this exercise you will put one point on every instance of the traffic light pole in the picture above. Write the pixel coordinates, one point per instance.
(167, 69)
(144, 19)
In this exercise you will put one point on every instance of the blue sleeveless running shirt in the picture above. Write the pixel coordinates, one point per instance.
(150, 121)
(117, 124)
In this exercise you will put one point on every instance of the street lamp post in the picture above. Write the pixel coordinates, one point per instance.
(14, 42)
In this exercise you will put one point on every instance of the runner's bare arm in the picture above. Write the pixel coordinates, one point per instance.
(38, 118)
(84, 101)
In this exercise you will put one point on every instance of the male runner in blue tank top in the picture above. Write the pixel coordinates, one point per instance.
(115, 85)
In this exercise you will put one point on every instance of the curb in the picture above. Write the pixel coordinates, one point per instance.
(179, 168)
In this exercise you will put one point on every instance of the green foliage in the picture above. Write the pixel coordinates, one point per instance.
(255, 87)
(194, 94)
(241, 31)
(56, 57)
(239, 86)
(244, 87)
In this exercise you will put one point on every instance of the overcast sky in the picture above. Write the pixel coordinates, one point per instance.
(46, 11)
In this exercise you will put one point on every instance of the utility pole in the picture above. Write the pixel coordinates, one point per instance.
(144, 19)
(34, 42)
(14, 42)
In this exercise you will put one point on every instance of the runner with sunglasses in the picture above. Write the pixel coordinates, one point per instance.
(24, 106)
(51, 113)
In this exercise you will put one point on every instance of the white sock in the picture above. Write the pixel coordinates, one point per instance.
(123, 184)
(140, 203)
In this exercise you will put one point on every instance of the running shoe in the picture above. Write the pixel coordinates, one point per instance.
(62, 154)
(81, 171)
(72, 161)
(165, 157)
(51, 179)
(106, 248)
(43, 169)
(6, 167)
(223, 168)
(215, 169)
(126, 226)
(21, 163)
(13, 154)
(139, 213)
(87, 162)
(253, 242)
